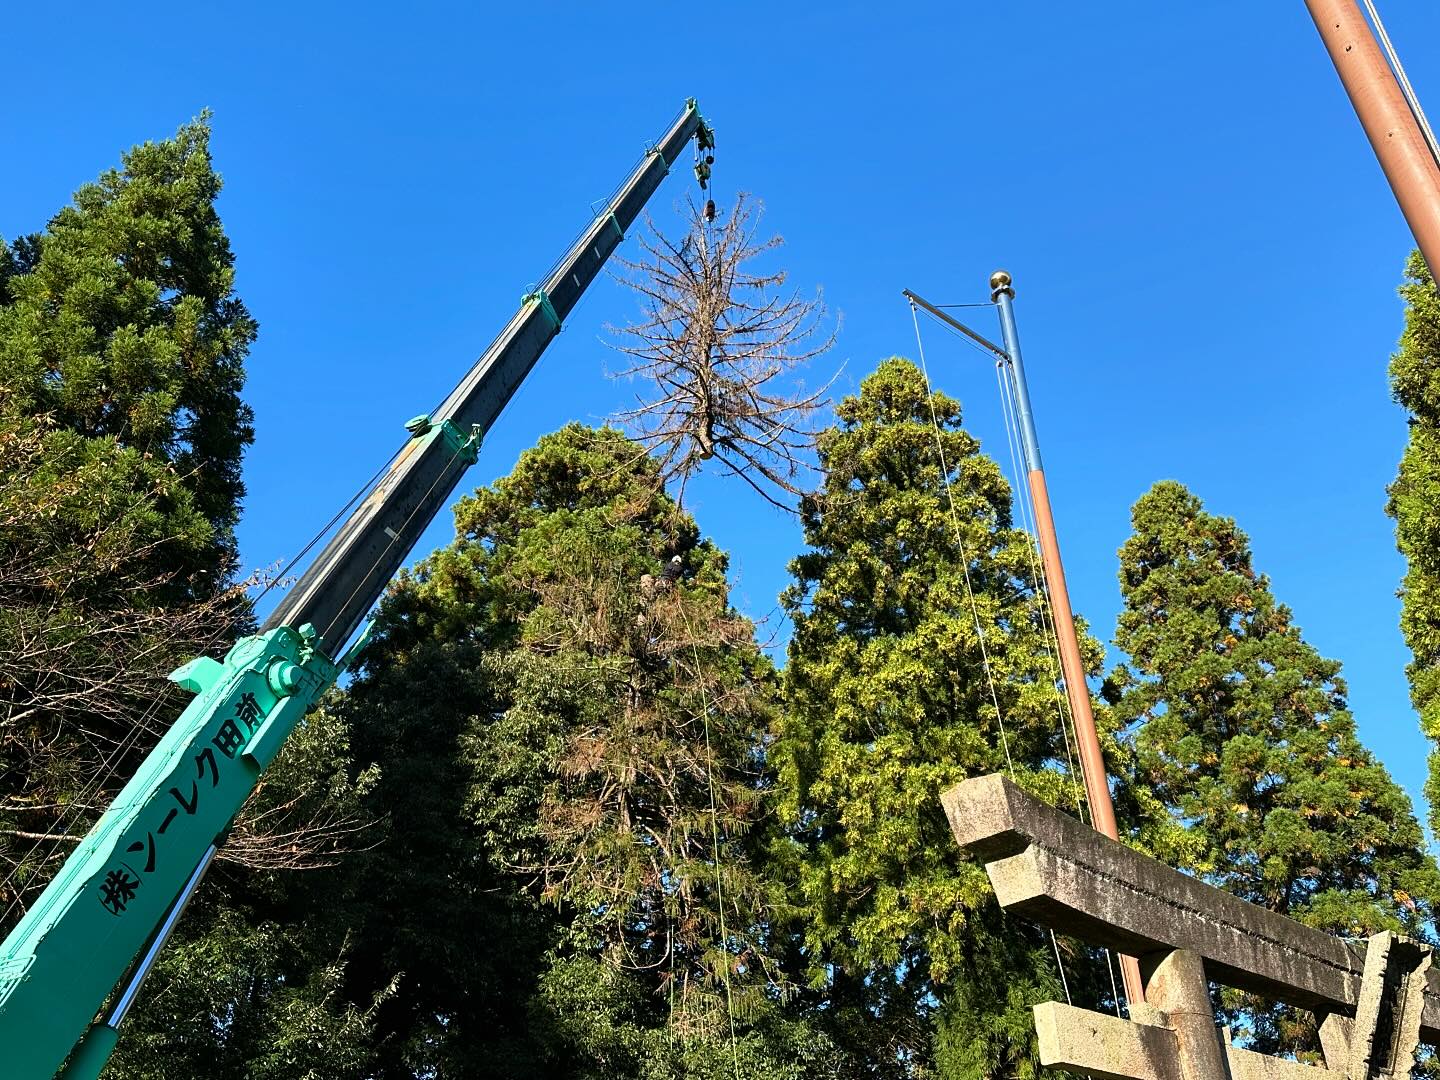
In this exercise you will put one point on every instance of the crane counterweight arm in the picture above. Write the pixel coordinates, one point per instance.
(122, 888)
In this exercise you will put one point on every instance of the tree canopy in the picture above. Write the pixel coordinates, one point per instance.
(122, 345)
(1246, 756)
(120, 322)
(919, 658)
(568, 720)
(568, 818)
(1415, 502)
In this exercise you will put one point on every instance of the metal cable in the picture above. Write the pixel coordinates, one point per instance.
(960, 543)
(1049, 625)
(460, 447)
(1411, 98)
(360, 493)
(1047, 618)
(714, 835)
(1042, 593)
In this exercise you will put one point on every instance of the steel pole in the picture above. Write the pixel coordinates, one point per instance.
(94, 1050)
(1404, 155)
(1092, 763)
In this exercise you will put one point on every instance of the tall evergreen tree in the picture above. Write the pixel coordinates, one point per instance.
(1415, 502)
(1245, 753)
(121, 431)
(568, 719)
(120, 322)
(122, 346)
(252, 986)
(888, 702)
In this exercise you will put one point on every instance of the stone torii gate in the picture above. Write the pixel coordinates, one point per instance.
(1374, 1004)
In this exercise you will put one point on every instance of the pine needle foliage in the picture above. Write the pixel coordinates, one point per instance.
(122, 348)
(716, 346)
(122, 345)
(1246, 758)
(1415, 502)
(888, 704)
(120, 321)
(588, 715)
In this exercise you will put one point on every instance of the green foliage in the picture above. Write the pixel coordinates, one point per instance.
(596, 1024)
(1246, 757)
(888, 704)
(253, 984)
(568, 720)
(120, 322)
(1414, 498)
(121, 432)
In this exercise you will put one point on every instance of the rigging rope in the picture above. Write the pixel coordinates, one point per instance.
(714, 836)
(970, 594)
(960, 543)
(1041, 587)
(360, 493)
(1052, 636)
(1042, 590)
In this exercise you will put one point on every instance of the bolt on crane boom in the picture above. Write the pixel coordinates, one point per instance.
(124, 887)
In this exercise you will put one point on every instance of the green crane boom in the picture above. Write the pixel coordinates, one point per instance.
(125, 885)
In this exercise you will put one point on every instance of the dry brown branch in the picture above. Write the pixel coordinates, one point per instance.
(294, 835)
(715, 349)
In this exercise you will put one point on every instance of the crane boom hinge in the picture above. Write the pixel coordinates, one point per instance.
(102, 907)
(542, 298)
(462, 444)
(659, 154)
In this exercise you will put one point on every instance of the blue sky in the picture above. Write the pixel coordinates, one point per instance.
(1205, 250)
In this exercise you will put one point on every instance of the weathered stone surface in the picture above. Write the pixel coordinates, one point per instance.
(1056, 871)
(1386, 1031)
(991, 818)
(1104, 1047)
(1176, 985)
(1335, 1032)
(1108, 1048)
(1248, 1065)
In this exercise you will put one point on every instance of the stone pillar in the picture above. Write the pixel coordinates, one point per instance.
(1176, 985)
(1335, 1032)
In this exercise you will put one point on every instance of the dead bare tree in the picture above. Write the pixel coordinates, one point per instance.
(713, 351)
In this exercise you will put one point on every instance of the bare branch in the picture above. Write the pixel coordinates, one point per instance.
(713, 339)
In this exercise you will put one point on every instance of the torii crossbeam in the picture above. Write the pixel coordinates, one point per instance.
(1374, 1005)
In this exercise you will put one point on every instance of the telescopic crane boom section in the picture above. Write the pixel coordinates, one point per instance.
(123, 888)
(343, 584)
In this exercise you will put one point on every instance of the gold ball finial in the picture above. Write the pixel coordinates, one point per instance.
(1000, 279)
